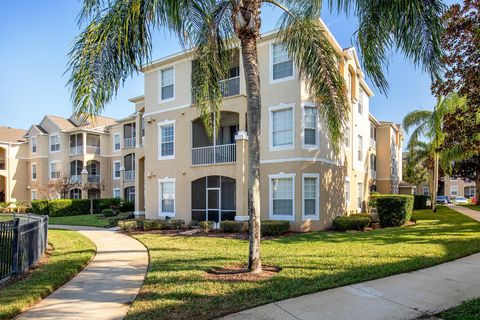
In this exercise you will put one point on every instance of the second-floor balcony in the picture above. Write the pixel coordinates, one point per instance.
(129, 142)
(228, 87)
(76, 150)
(95, 178)
(77, 178)
(93, 150)
(373, 143)
(373, 174)
(129, 175)
(225, 153)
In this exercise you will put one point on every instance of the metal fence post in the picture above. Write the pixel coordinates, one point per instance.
(15, 246)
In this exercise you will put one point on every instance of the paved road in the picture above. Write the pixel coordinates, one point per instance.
(105, 288)
(400, 297)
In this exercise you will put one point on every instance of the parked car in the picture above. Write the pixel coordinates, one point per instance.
(460, 200)
(442, 200)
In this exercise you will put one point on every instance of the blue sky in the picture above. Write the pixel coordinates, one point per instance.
(36, 37)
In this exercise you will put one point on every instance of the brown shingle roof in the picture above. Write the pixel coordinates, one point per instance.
(8, 134)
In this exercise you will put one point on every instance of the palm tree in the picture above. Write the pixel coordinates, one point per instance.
(118, 40)
(429, 126)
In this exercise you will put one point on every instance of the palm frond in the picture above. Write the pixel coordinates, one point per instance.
(416, 118)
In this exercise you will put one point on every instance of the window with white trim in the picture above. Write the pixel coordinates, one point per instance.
(360, 101)
(310, 126)
(34, 171)
(347, 136)
(360, 148)
(167, 84)
(282, 128)
(116, 142)
(282, 64)
(166, 197)
(311, 196)
(359, 196)
(117, 193)
(282, 197)
(426, 191)
(54, 143)
(116, 169)
(34, 195)
(454, 191)
(54, 170)
(347, 192)
(33, 142)
(166, 139)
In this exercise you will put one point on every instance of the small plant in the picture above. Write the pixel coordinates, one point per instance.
(206, 226)
(353, 222)
(274, 228)
(149, 225)
(113, 221)
(176, 224)
(231, 226)
(107, 213)
(126, 206)
(128, 225)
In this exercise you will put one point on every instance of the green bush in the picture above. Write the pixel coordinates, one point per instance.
(274, 228)
(126, 206)
(353, 222)
(40, 207)
(128, 225)
(113, 221)
(206, 226)
(362, 215)
(149, 225)
(107, 213)
(231, 226)
(107, 203)
(420, 202)
(68, 207)
(394, 209)
(176, 224)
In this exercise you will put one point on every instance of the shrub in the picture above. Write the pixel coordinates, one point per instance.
(126, 206)
(353, 222)
(274, 228)
(128, 225)
(40, 207)
(107, 203)
(394, 209)
(193, 224)
(107, 213)
(68, 207)
(206, 226)
(113, 221)
(231, 226)
(420, 202)
(149, 225)
(363, 215)
(176, 224)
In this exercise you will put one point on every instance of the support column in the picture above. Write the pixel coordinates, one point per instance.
(241, 183)
(84, 138)
(84, 182)
(122, 182)
(139, 125)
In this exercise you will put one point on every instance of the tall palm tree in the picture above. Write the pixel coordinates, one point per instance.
(428, 125)
(118, 40)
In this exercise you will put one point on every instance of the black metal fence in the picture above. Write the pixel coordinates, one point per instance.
(23, 240)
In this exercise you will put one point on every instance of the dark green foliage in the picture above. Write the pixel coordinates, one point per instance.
(113, 221)
(420, 202)
(362, 215)
(344, 223)
(149, 225)
(274, 228)
(469, 310)
(107, 203)
(126, 206)
(176, 224)
(107, 213)
(393, 209)
(231, 226)
(40, 207)
(71, 207)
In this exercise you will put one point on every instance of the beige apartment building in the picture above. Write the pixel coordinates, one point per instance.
(451, 187)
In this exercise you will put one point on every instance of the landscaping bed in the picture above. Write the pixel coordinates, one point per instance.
(176, 286)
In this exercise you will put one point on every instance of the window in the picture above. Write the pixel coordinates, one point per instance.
(360, 148)
(282, 64)
(116, 169)
(347, 136)
(34, 171)
(281, 128)
(282, 197)
(311, 196)
(116, 193)
(349, 85)
(426, 191)
(166, 131)
(54, 170)
(360, 101)
(347, 192)
(453, 191)
(310, 126)
(116, 142)
(167, 81)
(54, 143)
(166, 197)
(359, 196)
(34, 194)
(130, 194)
(76, 194)
(33, 141)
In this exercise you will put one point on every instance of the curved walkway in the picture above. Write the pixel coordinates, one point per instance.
(400, 297)
(105, 288)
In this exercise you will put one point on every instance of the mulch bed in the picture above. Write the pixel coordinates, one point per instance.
(240, 273)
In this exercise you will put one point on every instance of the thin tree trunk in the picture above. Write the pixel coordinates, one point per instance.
(252, 78)
(435, 181)
(477, 187)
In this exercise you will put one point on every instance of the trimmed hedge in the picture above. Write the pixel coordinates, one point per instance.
(40, 207)
(273, 227)
(231, 226)
(393, 209)
(72, 207)
(149, 225)
(353, 222)
(128, 225)
(205, 226)
(420, 202)
(113, 221)
(108, 213)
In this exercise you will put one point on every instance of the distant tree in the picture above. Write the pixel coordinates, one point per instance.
(94, 185)
(58, 188)
(419, 165)
(469, 169)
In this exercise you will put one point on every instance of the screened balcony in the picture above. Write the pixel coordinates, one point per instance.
(221, 148)
(77, 143)
(129, 135)
(93, 144)
(129, 163)
(2, 159)
(93, 168)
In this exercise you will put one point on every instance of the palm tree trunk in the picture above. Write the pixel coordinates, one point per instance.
(252, 78)
(435, 181)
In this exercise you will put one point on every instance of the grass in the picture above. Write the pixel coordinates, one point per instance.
(91, 220)
(71, 253)
(473, 206)
(469, 310)
(176, 289)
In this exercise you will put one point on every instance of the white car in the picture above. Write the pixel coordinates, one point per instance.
(460, 200)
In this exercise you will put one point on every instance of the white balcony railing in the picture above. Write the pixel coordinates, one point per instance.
(225, 153)
(93, 178)
(76, 178)
(74, 151)
(93, 150)
(55, 175)
(129, 175)
(129, 143)
(373, 143)
(230, 87)
(373, 174)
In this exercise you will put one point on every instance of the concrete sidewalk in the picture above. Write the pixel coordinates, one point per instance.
(400, 297)
(106, 287)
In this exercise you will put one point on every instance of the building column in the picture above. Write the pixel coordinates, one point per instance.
(241, 183)
(139, 185)
(139, 124)
(84, 182)
(122, 183)
(84, 138)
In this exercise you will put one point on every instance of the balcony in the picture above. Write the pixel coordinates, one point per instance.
(373, 143)
(373, 174)
(226, 153)
(129, 142)
(93, 150)
(228, 87)
(75, 151)
(129, 175)
(76, 178)
(93, 178)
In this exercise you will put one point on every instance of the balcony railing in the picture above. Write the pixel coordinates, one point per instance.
(93, 150)
(129, 143)
(373, 174)
(229, 87)
(373, 143)
(55, 175)
(74, 151)
(76, 178)
(93, 178)
(225, 153)
(129, 175)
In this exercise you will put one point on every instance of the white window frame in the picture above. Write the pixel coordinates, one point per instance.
(119, 142)
(315, 146)
(34, 143)
(360, 150)
(120, 169)
(34, 165)
(361, 93)
(317, 196)
(160, 197)
(346, 191)
(272, 177)
(50, 143)
(456, 191)
(34, 191)
(50, 169)
(117, 190)
(159, 129)
(272, 81)
(273, 109)
(347, 137)
(160, 85)
(427, 189)
(360, 196)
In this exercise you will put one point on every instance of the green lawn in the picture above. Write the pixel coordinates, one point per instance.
(92, 220)
(470, 310)
(72, 252)
(175, 286)
(473, 206)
